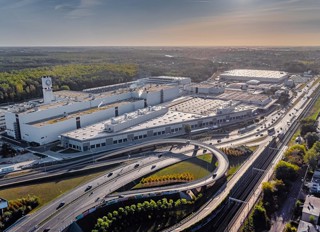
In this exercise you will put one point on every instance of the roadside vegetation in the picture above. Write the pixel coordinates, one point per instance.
(16, 209)
(286, 172)
(147, 216)
(47, 191)
(192, 169)
(237, 156)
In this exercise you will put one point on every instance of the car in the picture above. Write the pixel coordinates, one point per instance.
(98, 198)
(159, 156)
(46, 230)
(219, 140)
(214, 175)
(88, 188)
(136, 165)
(261, 135)
(110, 174)
(60, 205)
(153, 166)
(257, 134)
(258, 129)
(121, 196)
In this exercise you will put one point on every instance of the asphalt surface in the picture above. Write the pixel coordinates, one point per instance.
(80, 200)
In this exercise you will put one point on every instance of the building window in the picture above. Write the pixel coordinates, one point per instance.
(125, 140)
(140, 136)
(92, 146)
(103, 144)
(180, 128)
(115, 141)
(120, 140)
(163, 132)
(159, 133)
(172, 130)
(98, 145)
(154, 134)
(135, 137)
(144, 136)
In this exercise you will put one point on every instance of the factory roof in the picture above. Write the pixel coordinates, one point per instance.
(98, 130)
(252, 74)
(179, 113)
(66, 97)
(241, 96)
(60, 118)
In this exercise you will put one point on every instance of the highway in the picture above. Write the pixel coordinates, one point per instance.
(79, 200)
(217, 199)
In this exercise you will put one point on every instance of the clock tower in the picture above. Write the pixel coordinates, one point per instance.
(47, 90)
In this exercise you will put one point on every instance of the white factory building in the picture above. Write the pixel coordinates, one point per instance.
(244, 75)
(157, 122)
(64, 111)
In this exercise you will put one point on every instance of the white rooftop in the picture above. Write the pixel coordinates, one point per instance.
(311, 206)
(251, 73)
(177, 114)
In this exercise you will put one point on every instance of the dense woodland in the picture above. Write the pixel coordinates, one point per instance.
(77, 68)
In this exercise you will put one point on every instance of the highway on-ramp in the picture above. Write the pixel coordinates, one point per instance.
(79, 200)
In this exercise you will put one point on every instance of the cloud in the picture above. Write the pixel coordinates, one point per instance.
(82, 8)
(17, 4)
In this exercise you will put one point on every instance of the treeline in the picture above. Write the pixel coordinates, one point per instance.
(145, 215)
(16, 209)
(181, 177)
(274, 192)
(25, 84)
(236, 151)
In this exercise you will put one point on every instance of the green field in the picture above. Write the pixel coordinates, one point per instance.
(198, 166)
(47, 191)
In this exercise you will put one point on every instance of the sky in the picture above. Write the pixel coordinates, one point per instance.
(159, 22)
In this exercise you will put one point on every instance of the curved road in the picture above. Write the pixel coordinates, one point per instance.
(78, 200)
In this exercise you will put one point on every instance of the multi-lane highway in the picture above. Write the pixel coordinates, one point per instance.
(79, 200)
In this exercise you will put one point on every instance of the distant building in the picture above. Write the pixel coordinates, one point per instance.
(245, 75)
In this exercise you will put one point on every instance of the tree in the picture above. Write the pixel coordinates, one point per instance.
(312, 219)
(311, 138)
(308, 125)
(286, 171)
(311, 158)
(295, 153)
(260, 219)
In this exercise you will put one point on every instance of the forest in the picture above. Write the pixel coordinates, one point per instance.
(77, 68)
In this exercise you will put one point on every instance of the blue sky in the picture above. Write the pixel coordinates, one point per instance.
(159, 22)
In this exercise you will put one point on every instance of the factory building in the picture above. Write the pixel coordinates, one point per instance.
(64, 111)
(245, 75)
(156, 122)
(204, 88)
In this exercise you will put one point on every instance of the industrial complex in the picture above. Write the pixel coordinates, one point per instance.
(109, 117)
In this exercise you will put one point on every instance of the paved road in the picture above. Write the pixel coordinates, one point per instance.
(79, 200)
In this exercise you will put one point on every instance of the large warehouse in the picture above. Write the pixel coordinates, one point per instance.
(64, 111)
(156, 122)
(244, 75)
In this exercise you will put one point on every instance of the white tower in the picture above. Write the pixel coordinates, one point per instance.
(47, 90)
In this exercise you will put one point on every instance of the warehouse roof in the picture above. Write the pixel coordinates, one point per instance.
(253, 74)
